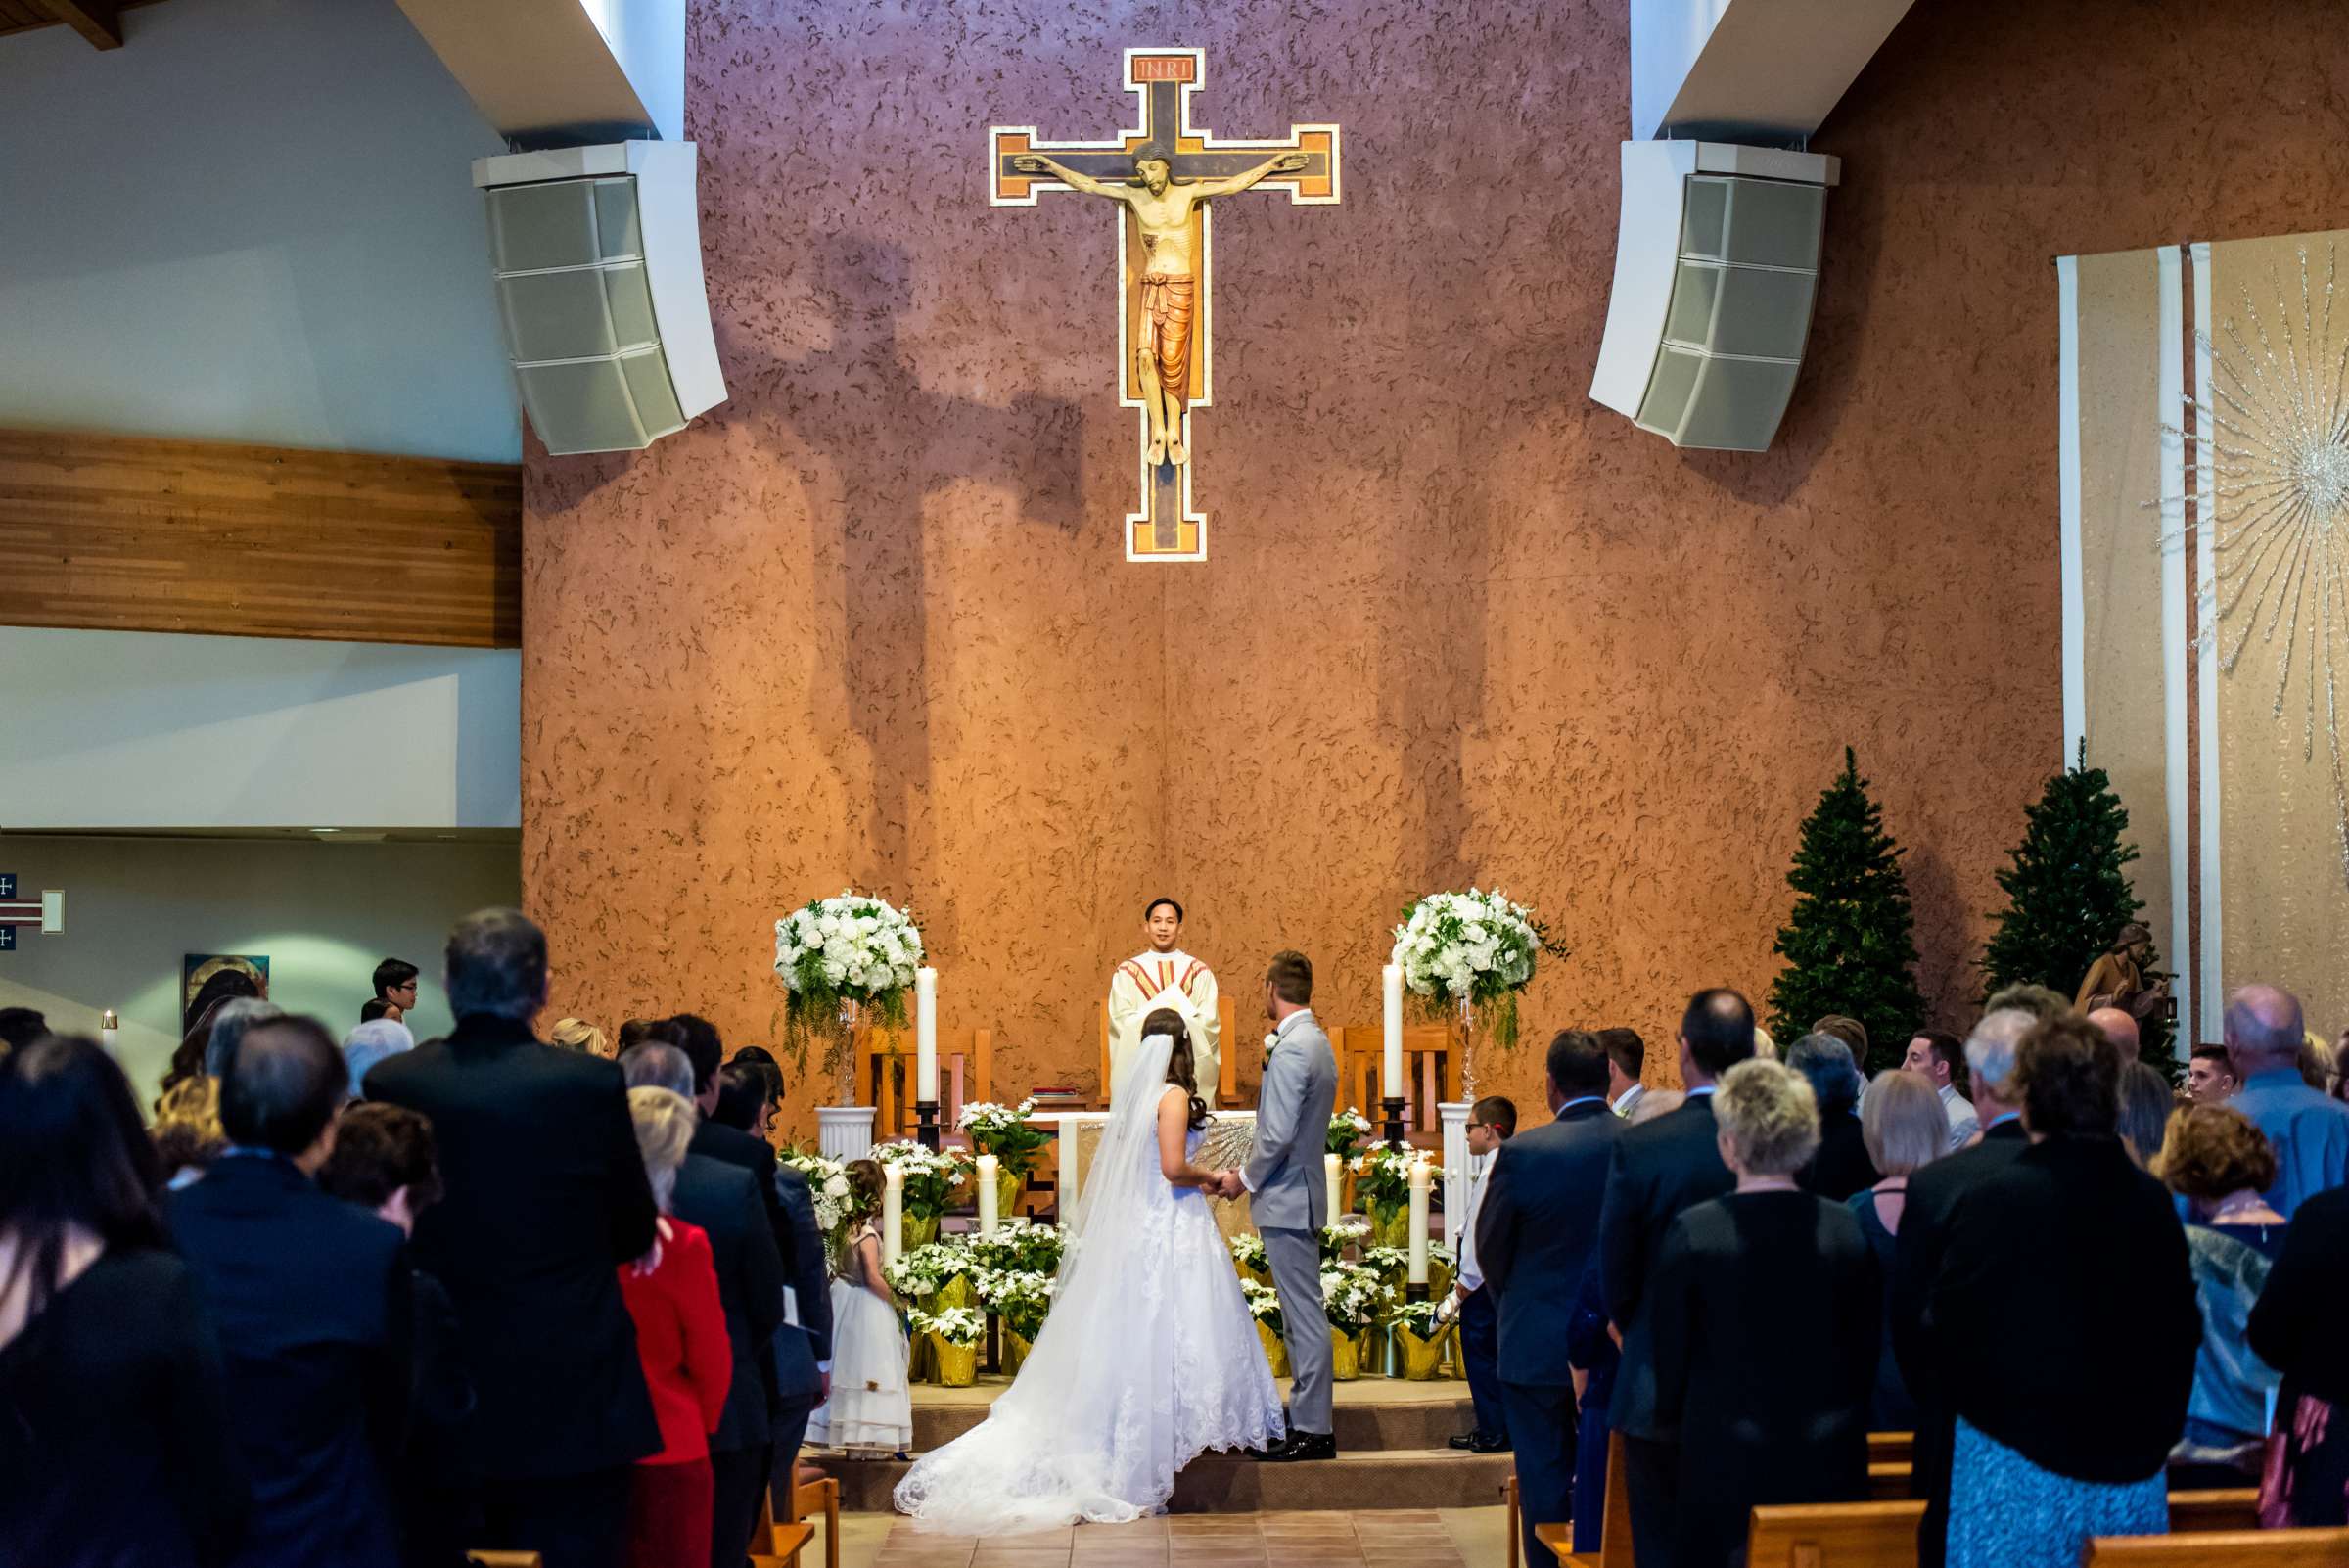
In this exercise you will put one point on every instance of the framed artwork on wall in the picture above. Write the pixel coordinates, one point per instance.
(195, 969)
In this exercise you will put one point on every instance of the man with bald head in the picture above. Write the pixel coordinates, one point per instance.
(2308, 1130)
(2120, 1028)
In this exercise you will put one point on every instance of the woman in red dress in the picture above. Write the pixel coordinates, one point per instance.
(681, 1340)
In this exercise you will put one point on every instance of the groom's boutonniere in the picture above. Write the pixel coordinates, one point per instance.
(1271, 1041)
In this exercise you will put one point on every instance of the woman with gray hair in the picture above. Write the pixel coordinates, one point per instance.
(681, 1341)
(1772, 1406)
(1841, 1166)
(370, 1043)
(1906, 1128)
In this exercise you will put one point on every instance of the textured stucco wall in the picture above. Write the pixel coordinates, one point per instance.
(869, 621)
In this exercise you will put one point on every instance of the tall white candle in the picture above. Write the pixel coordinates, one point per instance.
(1335, 1185)
(987, 1165)
(1391, 1068)
(925, 1034)
(892, 1214)
(1419, 1180)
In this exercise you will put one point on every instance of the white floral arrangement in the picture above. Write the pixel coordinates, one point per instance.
(1263, 1303)
(1248, 1250)
(1383, 1176)
(1020, 1244)
(828, 1188)
(1342, 1234)
(1354, 1296)
(1021, 1297)
(956, 1325)
(930, 1175)
(922, 1272)
(1009, 1134)
(1476, 947)
(1348, 1129)
(845, 949)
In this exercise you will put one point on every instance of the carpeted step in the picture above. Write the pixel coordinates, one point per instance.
(1393, 1478)
(1360, 1427)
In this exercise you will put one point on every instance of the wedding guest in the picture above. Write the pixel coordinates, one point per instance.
(313, 1302)
(1490, 1121)
(1770, 1408)
(724, 1202)
(681, 1343)
(2061, 1433)
(187, 1129)
(2309, 1133)
(1537, 1244)
(1627, 1059)
(19, 1027)
(1940, 1061)
(802, 1349)
(2296, 1329)
(2120, 1028)
(2144, 1105)
(116, 1446)
(870, 1412)
(1933, 1197)
(383, 1162)
(230, 1021)
(699, 1038)
(636, 1031)
(370, 1043)
(2216, 1160)
(2210, 1075)
(395, 988)
(1841, 1166)
(1850, 1030)
(546, 1192)
(222, 987)
(1906, 1129)
(746, 1097)
(2036, 999)
(1657, 1169)
(577, 1035)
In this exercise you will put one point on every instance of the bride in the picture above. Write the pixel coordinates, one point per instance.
(1149, 1357)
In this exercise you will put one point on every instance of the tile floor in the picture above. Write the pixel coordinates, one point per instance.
(1394, 1538)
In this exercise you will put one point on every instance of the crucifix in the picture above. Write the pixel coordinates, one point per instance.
(1163, 175)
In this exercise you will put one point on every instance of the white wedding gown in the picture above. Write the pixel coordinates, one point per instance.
(1147, 1359)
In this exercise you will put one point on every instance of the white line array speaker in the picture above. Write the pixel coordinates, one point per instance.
(597, 255)
(1716, 266)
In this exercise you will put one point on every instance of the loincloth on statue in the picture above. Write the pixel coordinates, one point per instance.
(1167, 329)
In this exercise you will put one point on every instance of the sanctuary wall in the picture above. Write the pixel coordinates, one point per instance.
(869, 621)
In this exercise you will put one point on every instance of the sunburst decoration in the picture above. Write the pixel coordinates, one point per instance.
(2273, 469)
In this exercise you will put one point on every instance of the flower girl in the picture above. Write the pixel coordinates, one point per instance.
(870, 1414)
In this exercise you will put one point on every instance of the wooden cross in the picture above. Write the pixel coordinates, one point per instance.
(1166, 529)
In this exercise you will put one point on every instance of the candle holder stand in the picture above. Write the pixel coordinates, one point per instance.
(926, 1123)
(1392, 1105)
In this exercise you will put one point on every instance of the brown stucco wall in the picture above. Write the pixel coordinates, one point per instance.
(868, 622)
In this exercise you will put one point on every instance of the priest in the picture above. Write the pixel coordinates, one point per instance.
(1165, 975)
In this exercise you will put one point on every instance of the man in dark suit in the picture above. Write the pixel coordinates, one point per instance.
(699, 1040)
(1536, 1230)
(1934, 1194)
(312, 1300)
(1659, 1169)
(546, 1197)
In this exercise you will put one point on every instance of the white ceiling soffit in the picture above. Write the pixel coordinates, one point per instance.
(1749, 69)
(554, 70)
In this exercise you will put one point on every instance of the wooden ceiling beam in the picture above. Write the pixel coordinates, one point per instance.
(98, 20)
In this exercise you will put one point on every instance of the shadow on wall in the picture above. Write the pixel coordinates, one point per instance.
(840, 401)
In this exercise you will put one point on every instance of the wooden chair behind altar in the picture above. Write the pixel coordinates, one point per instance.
(1227, 1081)
(1431, 1073)
(966, 1072)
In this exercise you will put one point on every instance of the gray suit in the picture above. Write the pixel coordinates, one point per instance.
(1288, 1198)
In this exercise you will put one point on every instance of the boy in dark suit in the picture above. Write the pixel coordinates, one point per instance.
(1537, 1226)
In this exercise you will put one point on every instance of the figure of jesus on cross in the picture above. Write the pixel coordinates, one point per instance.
(1163, 175)
(1162, 210)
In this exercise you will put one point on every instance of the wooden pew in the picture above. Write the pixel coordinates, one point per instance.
(2223, 1549)
(504, 1559)
(1883, 1534)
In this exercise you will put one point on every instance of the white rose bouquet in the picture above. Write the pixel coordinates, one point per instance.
(840, 951)
(1474, 947)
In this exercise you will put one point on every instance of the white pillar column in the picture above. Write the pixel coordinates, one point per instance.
(1455, 1115)
(845, 1131)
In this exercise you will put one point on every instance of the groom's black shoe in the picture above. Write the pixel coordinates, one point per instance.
(1303, 1445)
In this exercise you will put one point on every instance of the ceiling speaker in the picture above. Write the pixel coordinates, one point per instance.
(1715, 266)
(596, 255)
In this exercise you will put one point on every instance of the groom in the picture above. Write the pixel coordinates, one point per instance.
(1287, 1194)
